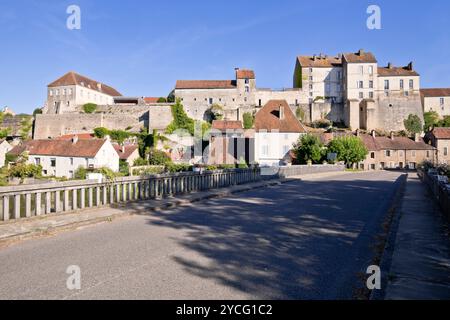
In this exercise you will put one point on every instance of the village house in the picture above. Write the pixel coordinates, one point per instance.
(128, 153)
(276, 131)
(439, 138)
(436, 99)
(61, 158)
(5, 147)
(227, 143)
(395, 152)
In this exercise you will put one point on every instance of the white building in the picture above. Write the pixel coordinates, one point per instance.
(436, 99)
(72, 90)
(276, 131)
(61, 158)
(5, 147)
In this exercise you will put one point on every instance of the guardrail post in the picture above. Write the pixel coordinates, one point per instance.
(38, 204)
(28, 205)
(5, 208)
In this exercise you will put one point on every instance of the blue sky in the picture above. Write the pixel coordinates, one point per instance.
(142, 47)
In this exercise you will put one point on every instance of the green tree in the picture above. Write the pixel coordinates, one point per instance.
(80, 173)
(349, 149)
(89, 107)
(309, 147)
(37, 111)
(431, 119)
(444, 122)
(25, 128)
(413, 124)
(119, 135)
(101, 132)
(248, 120)
(162, 100)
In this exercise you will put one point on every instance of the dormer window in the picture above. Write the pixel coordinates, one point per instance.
(247, 81)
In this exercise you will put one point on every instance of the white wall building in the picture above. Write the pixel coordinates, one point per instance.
(5, 147)
(436, 99)
(276, 131)
(61, 158)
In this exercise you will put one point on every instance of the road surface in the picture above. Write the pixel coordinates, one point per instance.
(300, 240)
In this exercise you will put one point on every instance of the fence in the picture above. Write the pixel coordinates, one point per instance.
(439, 188)
(26, 201)
(59, 197)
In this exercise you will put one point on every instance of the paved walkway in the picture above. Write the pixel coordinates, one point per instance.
(420, 266)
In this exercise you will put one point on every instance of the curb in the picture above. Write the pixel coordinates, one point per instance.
(388, 250)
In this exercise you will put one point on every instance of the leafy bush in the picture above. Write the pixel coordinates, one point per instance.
(108, 173)
(242, 164)
(180, 119)
(162, 100)
(101, 132)
(322, 123)
(80, 173)
(248, 120)
(158, 158)
(119, 135)
(431, 119)
(309, 148)
(413, 124)
(178, 167)
(349, 149)
(37, 111)
(226, 166)
(23, 170)
(89, 107)
(426, 165)
(149, 170)
(124, 168)
(140, 162)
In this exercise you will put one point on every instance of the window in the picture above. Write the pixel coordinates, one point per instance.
(310, 70)
(211, 100)
(37, 161)
(361, 69)
(65, 92)
(428, 154)
(370, 70)
(386, 84)
(411, 84)
(445, 151)
(361, 95)
(51, 93)
(265, 150)
(247, 89)
(53, 162)
(339, 75)
(71, 176)
(57, 92)
(413, 153)
(442, 100)
(402, 85)
(371, 95)
(310, 78)
(247, 81)
(310, 87)
(370, 84)
(372, 166)
(360, 84)
(388, 153)
(372, 155)
(71, 161)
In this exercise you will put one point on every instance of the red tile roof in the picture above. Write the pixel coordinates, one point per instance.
(359, 57)
(61, 148)
(268, 118)
(226, 124)
(151, 99)
(205, 84)
(441, 133)
(396, 72)
(72, 78)
(435, 92)
(245, 74)
(398, 143)
(125, 152)
(81, 136)
(319, 62)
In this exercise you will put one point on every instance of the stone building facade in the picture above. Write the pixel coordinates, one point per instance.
(436, 99)
(440, 139)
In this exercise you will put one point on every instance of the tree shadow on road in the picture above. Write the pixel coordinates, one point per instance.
(300, 240)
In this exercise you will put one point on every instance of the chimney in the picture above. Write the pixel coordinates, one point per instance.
(392, 135)
(410, 66)
(361, 52)
(281, 113)
(389, 65)
(374, 134)
(75, 139)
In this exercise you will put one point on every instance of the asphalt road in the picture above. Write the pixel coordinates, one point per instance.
(301, 240)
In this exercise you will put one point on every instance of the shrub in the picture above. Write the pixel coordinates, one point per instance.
(119, 135)
(148, 170)
(242, 164)
(426, 165)
(309, 148)
(80, 173)
(431, 119)
(24, 170)
(322, 123)
(162, 100)
(349, 149)
(140, 162)
(248, 120)
(37, 111)
(178, 167)
(107, 173)
(101, 132)
(124, 168)
(211, 168)
(413, 124)
(158, 158)
(226, 166)
(89, 107)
